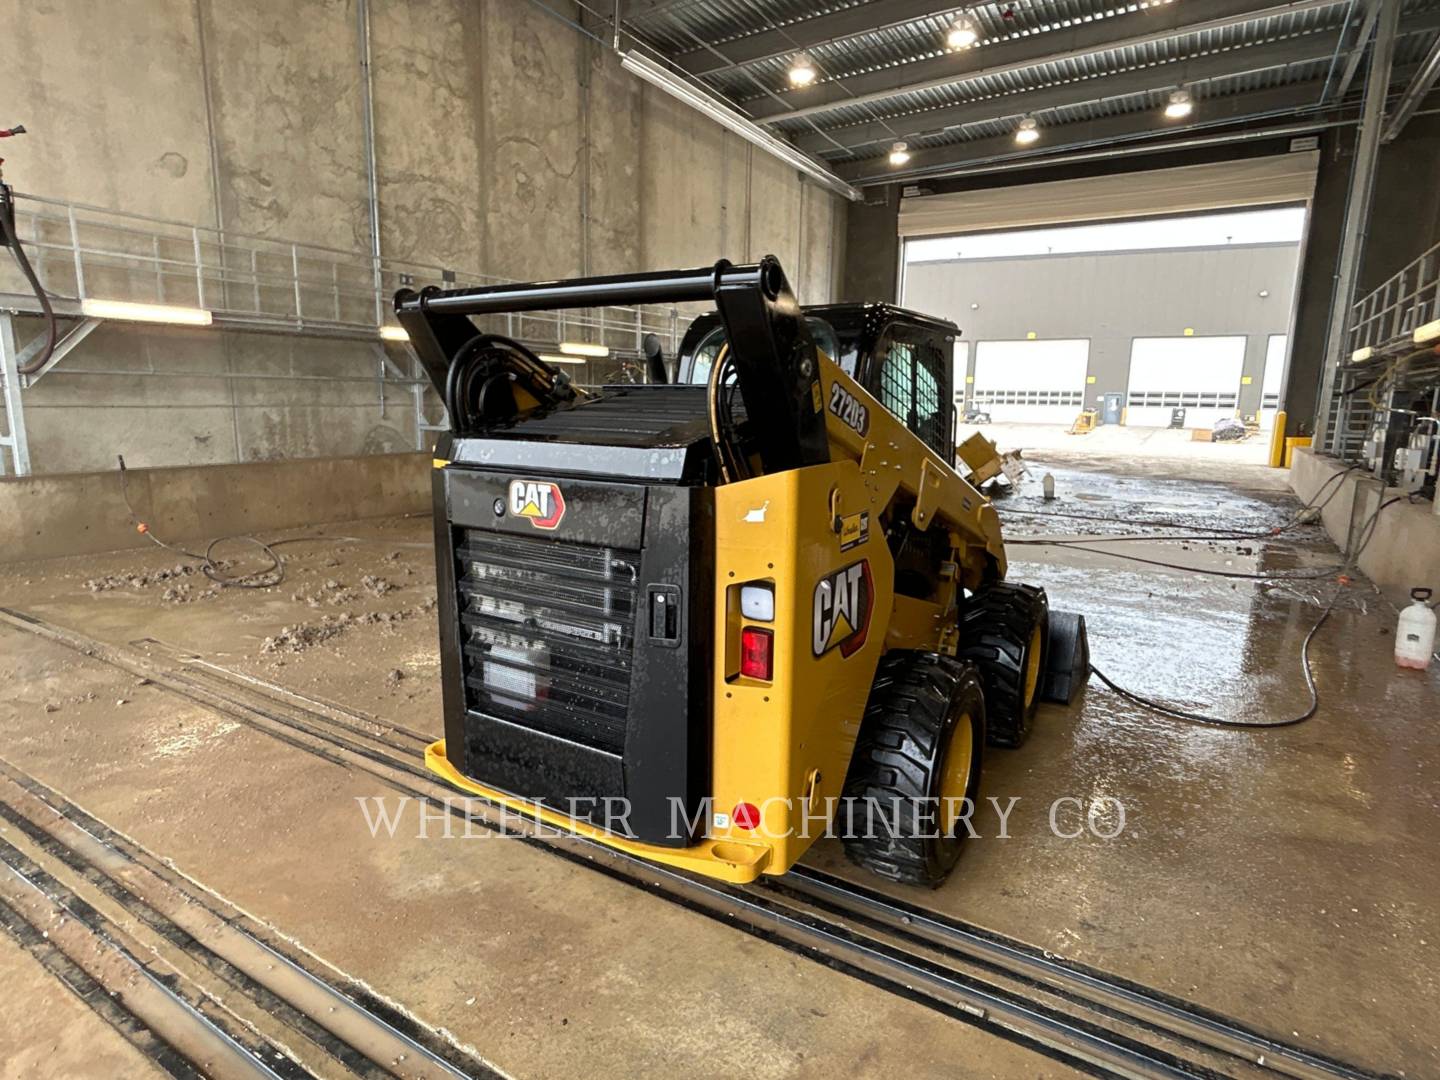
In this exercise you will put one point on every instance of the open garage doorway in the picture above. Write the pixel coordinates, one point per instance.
(1096, 294)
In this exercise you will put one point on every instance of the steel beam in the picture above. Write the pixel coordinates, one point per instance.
(811, 32)
(1117, 32)
(73, 337)
(1357, 210)
(1357, 51)
(1124, 84)
(1143, 130)
(1419, 86)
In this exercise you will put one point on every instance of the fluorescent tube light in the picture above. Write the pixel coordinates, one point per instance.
(659, 76)
(557, 358)
(394, 333)
(584, 348)
(1429, 332)
(156, 313)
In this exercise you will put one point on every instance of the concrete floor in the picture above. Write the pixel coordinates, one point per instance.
(1287, 877)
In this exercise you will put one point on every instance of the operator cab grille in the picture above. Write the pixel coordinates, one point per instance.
(548, 633)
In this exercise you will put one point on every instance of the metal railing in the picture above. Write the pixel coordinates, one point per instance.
(1390, 314)
(1384, 322)
(248, 281)
(259, 283)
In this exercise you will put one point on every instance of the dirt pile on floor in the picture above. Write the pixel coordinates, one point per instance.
(183, 582)
(304, 636)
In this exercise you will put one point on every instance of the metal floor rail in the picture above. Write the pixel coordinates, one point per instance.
(1090, 1020)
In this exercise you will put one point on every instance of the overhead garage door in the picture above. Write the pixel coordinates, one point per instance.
(1218, 185)
(1031, 382)
(1198, 374)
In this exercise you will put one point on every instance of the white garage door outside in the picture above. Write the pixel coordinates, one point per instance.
(1031, 382)
(1198, 374)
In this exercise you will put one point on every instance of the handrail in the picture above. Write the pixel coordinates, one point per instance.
(1390, 313)
(250, 280)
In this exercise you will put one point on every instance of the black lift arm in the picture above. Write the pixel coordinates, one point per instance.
(775, 359)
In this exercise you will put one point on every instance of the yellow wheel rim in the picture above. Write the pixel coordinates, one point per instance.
(1032, 666)
(955, 783)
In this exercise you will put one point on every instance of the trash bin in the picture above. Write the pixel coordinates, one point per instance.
(1177, 418)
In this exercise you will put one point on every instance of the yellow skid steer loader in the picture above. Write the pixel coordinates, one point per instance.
(706, 620)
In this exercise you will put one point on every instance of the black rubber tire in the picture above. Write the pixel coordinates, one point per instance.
(914, 704)
(997, 632)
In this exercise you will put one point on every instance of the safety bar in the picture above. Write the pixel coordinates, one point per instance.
(656, 287)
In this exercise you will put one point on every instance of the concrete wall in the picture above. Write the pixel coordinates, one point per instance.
(1111, 298)
(43, 517)
(205, 396)
(1403, 549)
(507, 142)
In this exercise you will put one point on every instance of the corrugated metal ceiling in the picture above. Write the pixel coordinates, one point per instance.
(682, 27)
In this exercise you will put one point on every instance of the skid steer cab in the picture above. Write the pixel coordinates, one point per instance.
(708, 621)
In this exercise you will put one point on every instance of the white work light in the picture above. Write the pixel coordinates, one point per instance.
(1179, 105)
(802, 70)
(963, 34)
(757, 602)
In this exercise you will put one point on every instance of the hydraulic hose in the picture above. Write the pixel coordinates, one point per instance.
(463, 400)
(13, 239)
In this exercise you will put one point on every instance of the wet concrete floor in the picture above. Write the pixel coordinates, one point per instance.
(1286, 876)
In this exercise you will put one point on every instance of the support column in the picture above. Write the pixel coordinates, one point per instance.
(1253, 368)
(1357, 211)
(14, 439)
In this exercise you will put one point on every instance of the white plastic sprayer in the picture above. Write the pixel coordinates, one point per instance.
(1415, 633)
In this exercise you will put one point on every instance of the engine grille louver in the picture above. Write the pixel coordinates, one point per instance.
(548, 633)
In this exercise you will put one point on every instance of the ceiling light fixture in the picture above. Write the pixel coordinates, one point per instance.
(802, 70)
(899, 154)
(583, 348)
(1027, 132)
(686, 92)
(963, 34)
(1180, 105)
(157, 313)
(394, 333)
(557, 358)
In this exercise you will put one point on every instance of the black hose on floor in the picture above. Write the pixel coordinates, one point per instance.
(1367, 531)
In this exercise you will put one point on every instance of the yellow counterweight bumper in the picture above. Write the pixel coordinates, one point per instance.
(725, 859)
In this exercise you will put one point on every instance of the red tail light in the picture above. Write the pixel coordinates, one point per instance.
(757, 653)
(746, 816)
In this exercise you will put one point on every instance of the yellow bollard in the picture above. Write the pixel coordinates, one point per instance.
(1277, 440)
